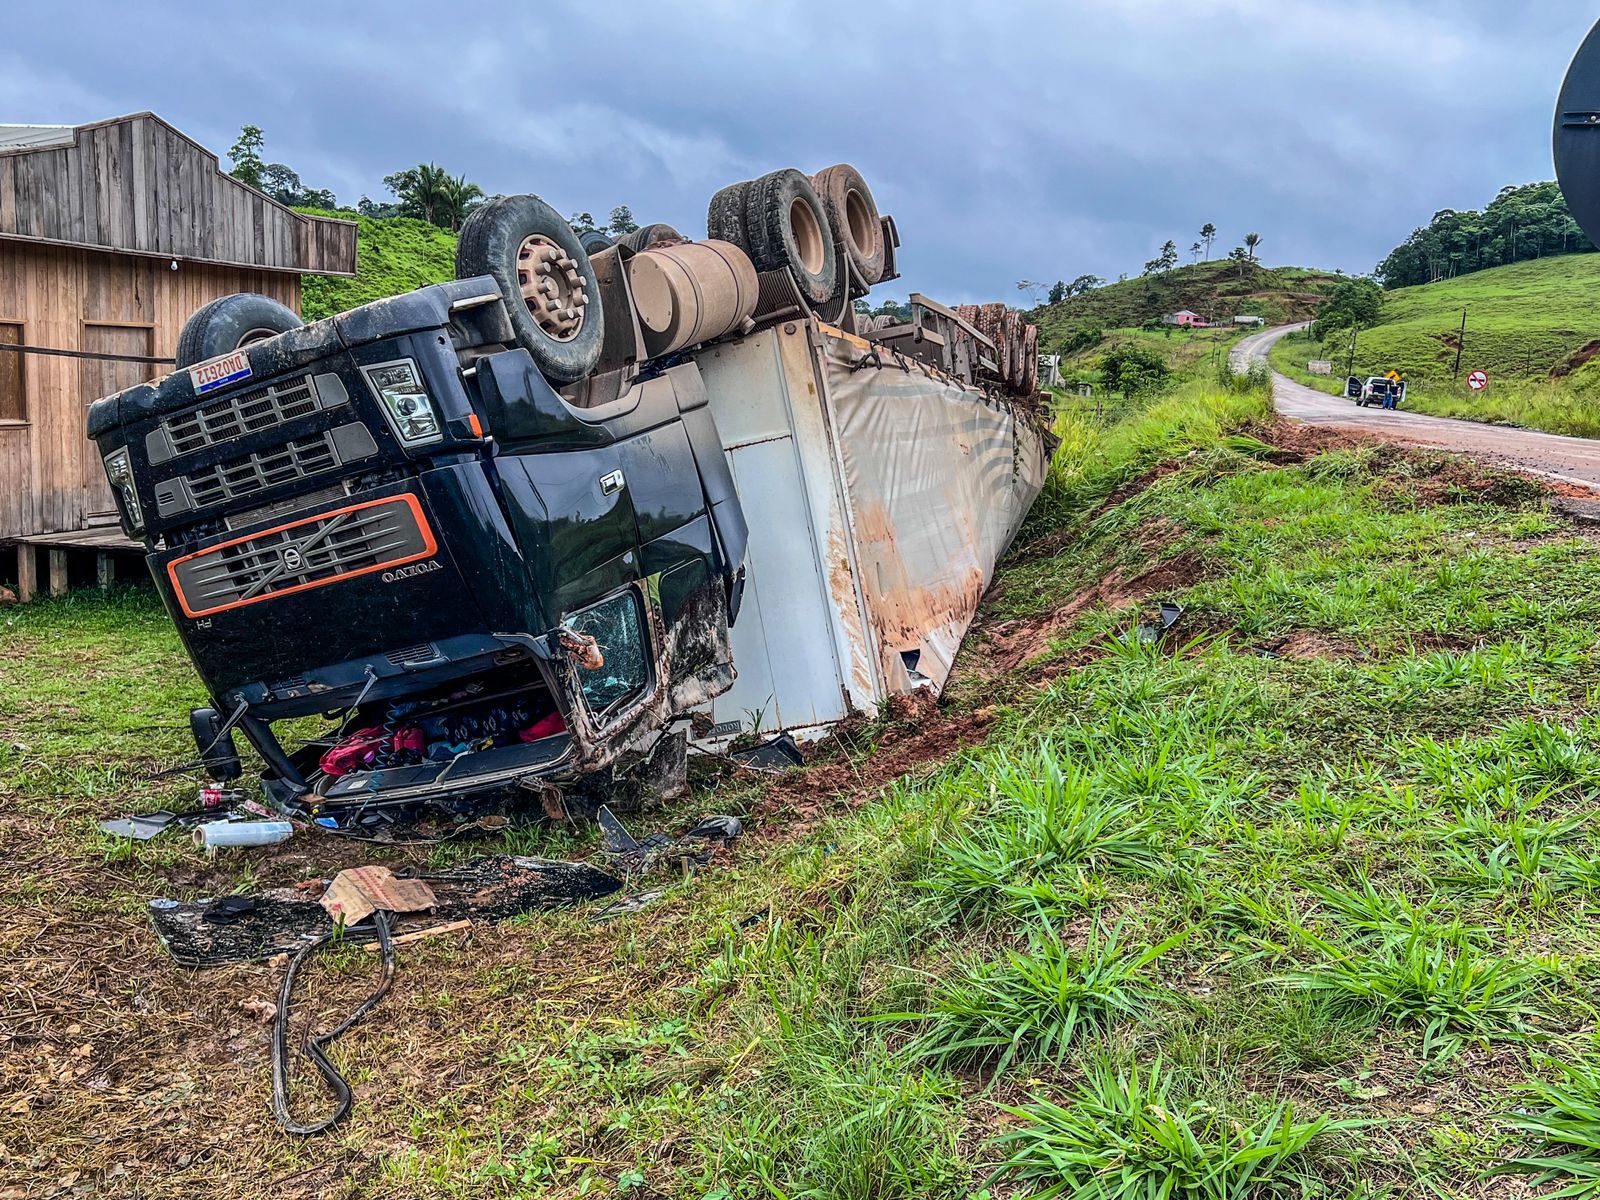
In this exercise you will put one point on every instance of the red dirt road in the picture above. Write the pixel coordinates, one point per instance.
(1563, 459)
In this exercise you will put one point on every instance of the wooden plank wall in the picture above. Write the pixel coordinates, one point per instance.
(137, 184)
(50, 474)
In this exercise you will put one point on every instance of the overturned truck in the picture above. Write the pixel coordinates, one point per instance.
(534, 529)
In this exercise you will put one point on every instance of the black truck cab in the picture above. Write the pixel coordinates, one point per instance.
(391, 518)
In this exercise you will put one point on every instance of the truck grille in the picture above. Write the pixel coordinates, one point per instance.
(371, 536)
(236, 478)
(233, 417)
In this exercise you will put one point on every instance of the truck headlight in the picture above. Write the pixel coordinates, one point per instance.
(406, 402)
(119, 473)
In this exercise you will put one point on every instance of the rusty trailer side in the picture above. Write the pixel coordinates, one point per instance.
(880, 493)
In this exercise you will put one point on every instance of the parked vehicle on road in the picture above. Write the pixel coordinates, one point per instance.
(1375, 389)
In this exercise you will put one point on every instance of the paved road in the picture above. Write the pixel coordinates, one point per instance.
(1566, 459)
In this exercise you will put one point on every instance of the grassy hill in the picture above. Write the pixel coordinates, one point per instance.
(1219, 290)
(1533, 327)
(1530, 320)
(394, 255)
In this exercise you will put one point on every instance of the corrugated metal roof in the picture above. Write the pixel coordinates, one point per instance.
(14, 137)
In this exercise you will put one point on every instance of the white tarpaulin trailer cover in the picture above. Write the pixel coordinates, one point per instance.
(880, 493)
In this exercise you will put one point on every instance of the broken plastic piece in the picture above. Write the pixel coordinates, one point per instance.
(141, 828)
(779, 754)
(1169, 617)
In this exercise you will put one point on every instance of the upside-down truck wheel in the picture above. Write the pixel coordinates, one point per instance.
(788, 229)
(725, 216)
(854, 216)
(545, 277)
(224, 325)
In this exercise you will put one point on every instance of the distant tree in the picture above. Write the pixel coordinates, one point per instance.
(1085, 283)
(1169, 254)
(1058, 292)
(896, 310)
(1530, 221)
(583, 223)
(1353, 303)
(245, 155)
(281, 183)
(458, 196)
(430, 193)
(1032, 287)
(622, 221)
(1241, 256)
(1251, 241)
(368, 207)
(1208, 234)
(1133, 370)
(318, 198)
(1194, 251)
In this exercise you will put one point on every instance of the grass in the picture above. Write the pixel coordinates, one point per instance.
(1297, 899)
(1125, 1136)
(394, 255)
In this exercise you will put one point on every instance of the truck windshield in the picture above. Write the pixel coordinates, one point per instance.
(615, 624)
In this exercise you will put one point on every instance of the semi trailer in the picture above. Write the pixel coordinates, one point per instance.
(531, 530)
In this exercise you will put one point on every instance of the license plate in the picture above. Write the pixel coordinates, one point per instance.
(219, 372)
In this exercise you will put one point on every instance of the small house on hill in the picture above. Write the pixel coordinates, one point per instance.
(111, 235)
(1185, 319)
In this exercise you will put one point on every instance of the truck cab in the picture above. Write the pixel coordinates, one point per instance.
(392, 521)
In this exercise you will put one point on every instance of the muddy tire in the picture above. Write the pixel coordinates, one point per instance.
(546, 278)
(224, 325)
(853, 214)
(725, 216)
(594, 241)
(649, 235)
(788, 229)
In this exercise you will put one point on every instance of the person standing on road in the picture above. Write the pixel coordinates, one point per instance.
(1391, 395)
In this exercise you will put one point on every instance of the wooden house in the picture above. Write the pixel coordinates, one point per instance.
(111, 235)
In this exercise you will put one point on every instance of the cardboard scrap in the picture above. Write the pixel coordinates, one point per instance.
(357, 893)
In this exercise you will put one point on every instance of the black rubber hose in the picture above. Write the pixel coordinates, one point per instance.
(316, 1046)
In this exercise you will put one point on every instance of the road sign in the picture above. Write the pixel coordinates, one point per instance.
(1392, 375)
(1477, 381)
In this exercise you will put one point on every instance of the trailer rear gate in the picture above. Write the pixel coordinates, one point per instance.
(880, 494)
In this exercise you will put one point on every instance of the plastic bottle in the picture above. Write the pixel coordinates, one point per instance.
(241, 833)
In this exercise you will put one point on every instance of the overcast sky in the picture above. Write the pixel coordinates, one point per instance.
(1009, 139)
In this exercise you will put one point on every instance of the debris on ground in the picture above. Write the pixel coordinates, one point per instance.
(776, 754)
(215, 835)
(234, 929)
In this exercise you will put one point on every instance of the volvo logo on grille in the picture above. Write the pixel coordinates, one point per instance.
(293, 560)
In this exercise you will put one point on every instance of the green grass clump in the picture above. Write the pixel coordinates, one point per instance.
(1034, 1006)
(1569, 1126)
(1452, 991)
(1126, 1136)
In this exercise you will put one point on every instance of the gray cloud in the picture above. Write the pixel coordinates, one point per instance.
(1011, 139)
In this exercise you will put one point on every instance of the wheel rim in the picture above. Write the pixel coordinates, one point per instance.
(807, 237)
(859, 219)
(257, 335)
(552, 287)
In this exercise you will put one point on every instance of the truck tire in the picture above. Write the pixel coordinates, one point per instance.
(854, 216)
(788, 229)
(725, 216)
(648, 235)
(224, 325)
(594, 241)
(546, 278)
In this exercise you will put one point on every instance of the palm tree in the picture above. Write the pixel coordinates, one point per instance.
(1251, 241)
(457, 199)
(424, 191)
(1208, 234)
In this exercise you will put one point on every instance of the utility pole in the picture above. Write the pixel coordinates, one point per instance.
(1461, 341)
(1350, 360)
